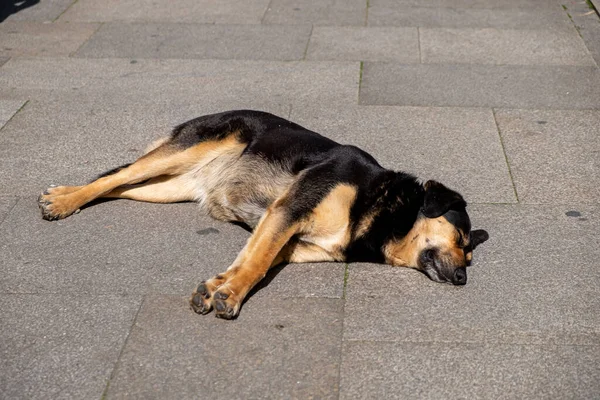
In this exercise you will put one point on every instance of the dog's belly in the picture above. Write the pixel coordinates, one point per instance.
(231, 187)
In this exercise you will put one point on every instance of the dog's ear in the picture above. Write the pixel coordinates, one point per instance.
(478, 236)
(439, 199)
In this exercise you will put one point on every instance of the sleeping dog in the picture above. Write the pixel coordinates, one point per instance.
(305, 197)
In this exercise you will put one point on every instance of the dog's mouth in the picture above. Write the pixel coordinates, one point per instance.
(458, 277)
(432, 265)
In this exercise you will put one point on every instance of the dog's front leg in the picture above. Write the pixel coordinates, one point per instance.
(226, 291)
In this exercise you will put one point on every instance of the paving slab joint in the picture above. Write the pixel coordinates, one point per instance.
(17, 199)
(312, 27)
(65, 10)
(100, 25)
(360, 76)
(367, 13)
(593, 7)
(572, 21)
(346, 273)
(121, 351)
(12, 116)
(262, 19)
(512, 180)
(339, 374)
(419, 45)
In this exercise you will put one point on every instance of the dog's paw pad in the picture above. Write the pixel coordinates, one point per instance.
(223, 310)
(200, 302)
(221, 296)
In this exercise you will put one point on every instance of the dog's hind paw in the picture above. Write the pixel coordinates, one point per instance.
(55, 205)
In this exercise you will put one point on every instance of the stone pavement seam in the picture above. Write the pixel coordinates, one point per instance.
(578, 29)
(591, 5)
(64, 11)
(492, 343)
(419, 44)
(12, 116)
(343, 314)
(16, 200)
(100, 25)
(360, 78)
(262, 20)
(512, 180)
(367, 13)
(118, 361)
(312, 28)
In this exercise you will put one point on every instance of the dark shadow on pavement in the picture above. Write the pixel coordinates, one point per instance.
(9, 7)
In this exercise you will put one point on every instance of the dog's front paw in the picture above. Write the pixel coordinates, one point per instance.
(216, 294)
(201, 301)
(55, 205)
(226, 305)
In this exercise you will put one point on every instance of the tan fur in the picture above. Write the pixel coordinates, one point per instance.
(156, 144)
(321, 236)
(164, 160)
(426, 232)
(329, 226)
(364, 225)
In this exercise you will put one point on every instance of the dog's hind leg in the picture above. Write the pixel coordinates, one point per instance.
(165, 160)
(162, 189)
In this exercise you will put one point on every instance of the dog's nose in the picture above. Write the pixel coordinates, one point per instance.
(460, 276)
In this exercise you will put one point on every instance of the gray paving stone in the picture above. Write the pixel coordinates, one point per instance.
(152, 40)
(46, 10)
(587, 23)
(396, 14)
(533, 282)
(553, 155)
(502, 46)
(8, 108)
(119, 247)
(193, 11)
(215, 84)
(303, 280)
(61, 346)
(463, 142)
(317, 12)
(489, 4)
(3, 60)
(42, 39)
(6, 205)
(375, 370)
(284, 348)
(364, 44)
(131, 247)
(465, 85)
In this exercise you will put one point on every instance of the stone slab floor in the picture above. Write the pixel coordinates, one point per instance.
(498, 99)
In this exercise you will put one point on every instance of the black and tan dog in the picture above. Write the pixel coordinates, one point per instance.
(307, 199)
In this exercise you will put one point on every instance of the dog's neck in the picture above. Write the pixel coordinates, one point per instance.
(387, 210)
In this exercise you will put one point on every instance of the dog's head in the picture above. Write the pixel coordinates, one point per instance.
(441, 241)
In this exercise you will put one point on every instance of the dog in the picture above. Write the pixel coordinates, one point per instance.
(305, 197)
